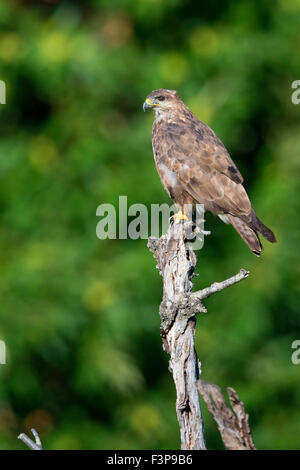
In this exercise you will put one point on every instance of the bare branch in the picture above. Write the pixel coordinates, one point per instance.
(218, 286)
(233, 425)
(37, 445)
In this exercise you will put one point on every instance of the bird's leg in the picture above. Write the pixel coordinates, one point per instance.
(179, 216)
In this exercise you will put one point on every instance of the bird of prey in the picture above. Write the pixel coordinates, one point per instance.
(195, 167)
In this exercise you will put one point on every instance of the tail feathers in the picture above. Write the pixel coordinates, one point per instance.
(248, 234)
(256, 224)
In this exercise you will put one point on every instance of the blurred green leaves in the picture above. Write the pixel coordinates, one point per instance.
(79, 315)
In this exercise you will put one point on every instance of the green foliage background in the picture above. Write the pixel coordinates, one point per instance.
(85, 365)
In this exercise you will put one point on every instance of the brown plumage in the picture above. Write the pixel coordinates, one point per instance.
(195, 167)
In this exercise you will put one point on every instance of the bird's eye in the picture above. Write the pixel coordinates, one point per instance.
(160, 98)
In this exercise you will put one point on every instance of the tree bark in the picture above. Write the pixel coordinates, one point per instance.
(176, 262)
(233, 424)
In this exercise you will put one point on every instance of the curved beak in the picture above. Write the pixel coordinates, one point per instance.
(146, 104)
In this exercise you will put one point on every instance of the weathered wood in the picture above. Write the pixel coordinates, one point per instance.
(176, 262)
(37, 445)
(233, 424)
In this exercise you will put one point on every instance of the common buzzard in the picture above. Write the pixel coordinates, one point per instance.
(195, 167)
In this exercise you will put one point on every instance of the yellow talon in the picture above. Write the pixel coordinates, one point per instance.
(179, 216)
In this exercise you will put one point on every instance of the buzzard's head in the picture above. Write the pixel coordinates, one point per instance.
(161, 100)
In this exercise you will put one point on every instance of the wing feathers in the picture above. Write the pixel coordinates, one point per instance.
(249, 236)
(257, 224)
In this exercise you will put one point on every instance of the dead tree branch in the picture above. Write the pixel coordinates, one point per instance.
(218, 286)
(37, 445)
(233, 424)
(176, 262)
